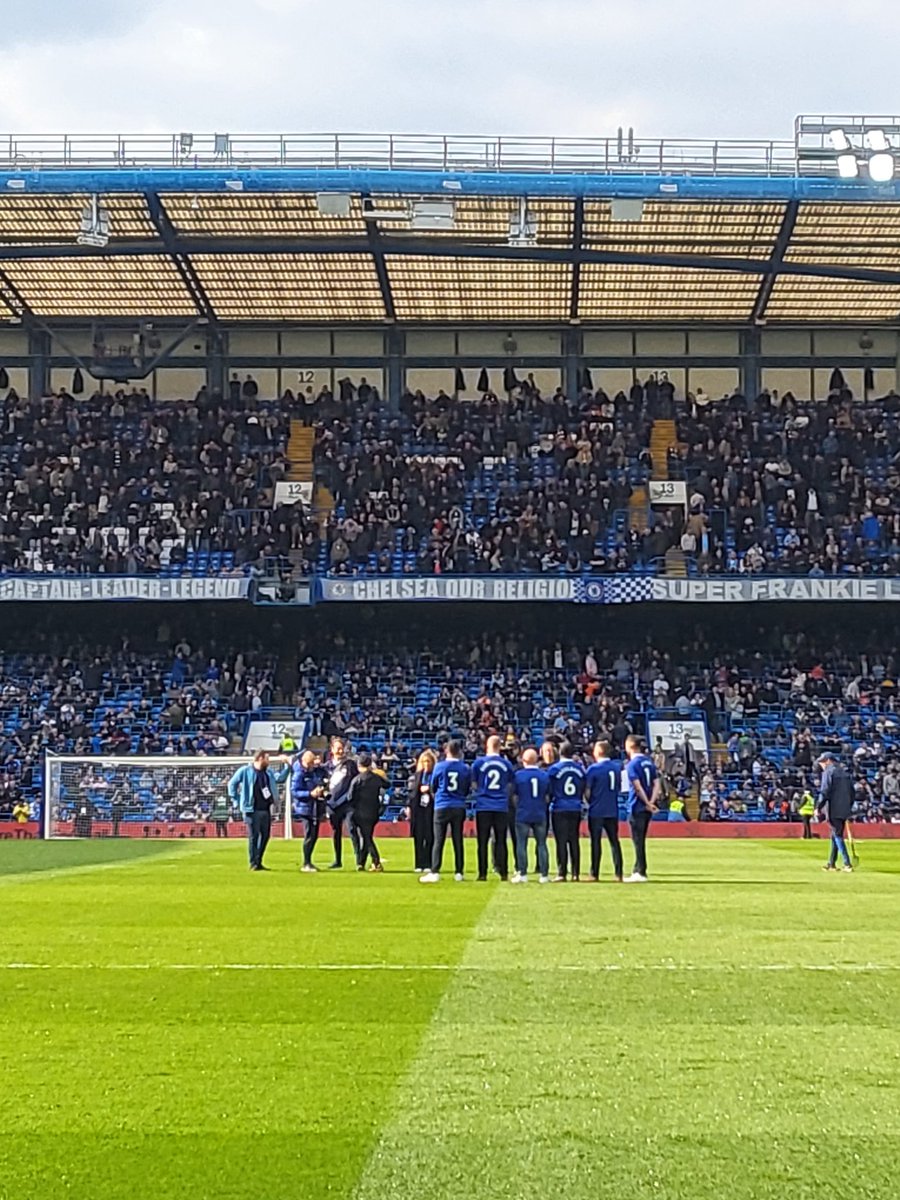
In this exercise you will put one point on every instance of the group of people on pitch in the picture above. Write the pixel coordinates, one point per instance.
(549, 791)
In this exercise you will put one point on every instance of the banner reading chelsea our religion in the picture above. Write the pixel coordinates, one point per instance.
(120, 587)
(617, 589)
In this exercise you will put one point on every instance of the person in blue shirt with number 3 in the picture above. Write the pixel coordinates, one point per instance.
(450, 782)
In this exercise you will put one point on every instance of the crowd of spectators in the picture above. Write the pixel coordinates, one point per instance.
(519, 482)
(84, 699)
(770, 710)
(117, 484)
(780, 486)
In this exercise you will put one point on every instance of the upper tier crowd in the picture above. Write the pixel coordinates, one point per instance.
(120, 484)
(117, 484)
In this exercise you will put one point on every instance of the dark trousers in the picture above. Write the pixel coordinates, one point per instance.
(807, 826)
(568, 850)
(421, 828)
(538, 830)
(366, 837)
(221, 828)
(448, 819)
(337, 817)
(597, 826)
(310, 837)
(640, 823)
(838, 845)
(259, 828)
(496, 823)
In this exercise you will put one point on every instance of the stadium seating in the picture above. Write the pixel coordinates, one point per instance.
(120, 485)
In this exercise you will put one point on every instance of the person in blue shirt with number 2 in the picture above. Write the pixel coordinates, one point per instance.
(493, 776)
(566, 795)
(604, 782)
(450, 783)
(644, 790)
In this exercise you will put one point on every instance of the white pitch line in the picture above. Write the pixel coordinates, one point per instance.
(585, 968)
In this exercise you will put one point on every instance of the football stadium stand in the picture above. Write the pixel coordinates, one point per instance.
(291, 371)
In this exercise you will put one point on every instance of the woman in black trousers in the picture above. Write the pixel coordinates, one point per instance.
(420, 810)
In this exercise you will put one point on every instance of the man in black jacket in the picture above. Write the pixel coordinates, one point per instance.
(364, 798)
(836, 804)
(341, 771)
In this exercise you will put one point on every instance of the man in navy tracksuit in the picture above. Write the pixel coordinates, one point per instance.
(604, 781)
(566, 794)
(493, 778)
(308, 802)
(341, 771)
(532, 791)
(836, 797)
(450, 780)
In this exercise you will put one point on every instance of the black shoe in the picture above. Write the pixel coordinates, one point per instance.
(481, 879)
(336, 867)
(262, 868)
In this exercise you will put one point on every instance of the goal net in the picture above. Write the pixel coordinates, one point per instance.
(147, 797)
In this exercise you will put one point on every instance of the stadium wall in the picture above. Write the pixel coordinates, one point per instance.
(205, 831)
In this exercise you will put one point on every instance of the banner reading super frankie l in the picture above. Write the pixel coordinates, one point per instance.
(120, 587)
(760, 589)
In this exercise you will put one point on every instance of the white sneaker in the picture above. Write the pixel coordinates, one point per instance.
(429, 877)
(459, 877)
(517, 878)
(635, 878)
(544, 879)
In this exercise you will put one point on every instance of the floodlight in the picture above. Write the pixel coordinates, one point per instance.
(185, 143)
(875, 140)
(838, 140)
(221, 144)
(881, 168)
(848, 166)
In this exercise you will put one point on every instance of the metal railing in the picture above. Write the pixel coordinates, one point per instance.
(445, 153)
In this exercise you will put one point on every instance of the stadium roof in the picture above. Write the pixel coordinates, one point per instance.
(236, 229)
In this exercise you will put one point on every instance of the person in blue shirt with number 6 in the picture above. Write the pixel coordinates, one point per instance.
(567, 793)
(450, 782)
(644, 790)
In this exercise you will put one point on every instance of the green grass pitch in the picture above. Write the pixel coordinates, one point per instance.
(175, 1026)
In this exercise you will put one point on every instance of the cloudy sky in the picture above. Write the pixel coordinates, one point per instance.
(694, 68)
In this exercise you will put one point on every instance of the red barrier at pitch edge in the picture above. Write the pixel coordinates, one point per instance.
(206, 831)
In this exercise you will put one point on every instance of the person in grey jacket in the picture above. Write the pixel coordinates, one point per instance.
(836, 804)
(252, 788)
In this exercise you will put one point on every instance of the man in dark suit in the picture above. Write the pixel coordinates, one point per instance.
(836, 805)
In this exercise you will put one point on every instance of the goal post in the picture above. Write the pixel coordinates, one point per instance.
(153, 796)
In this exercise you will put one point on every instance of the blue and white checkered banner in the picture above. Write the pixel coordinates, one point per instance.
(618, 589)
